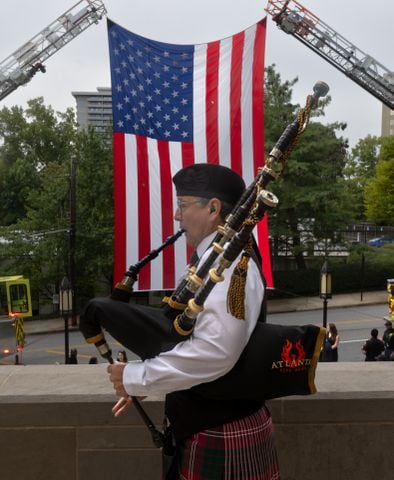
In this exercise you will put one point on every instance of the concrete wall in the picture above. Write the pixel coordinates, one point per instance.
(56, 423)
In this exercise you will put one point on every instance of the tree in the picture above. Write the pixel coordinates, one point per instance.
(40, 152)
(360, 167)
(31, 140)
(312, 205)
(379, 191)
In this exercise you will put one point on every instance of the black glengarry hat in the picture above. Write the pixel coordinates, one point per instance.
(209, 180)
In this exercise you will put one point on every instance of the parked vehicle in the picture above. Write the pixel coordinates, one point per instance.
(381, 241)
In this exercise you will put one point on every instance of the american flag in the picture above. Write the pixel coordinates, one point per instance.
(175, 105)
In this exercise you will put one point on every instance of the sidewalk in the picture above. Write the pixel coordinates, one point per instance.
(296, 304)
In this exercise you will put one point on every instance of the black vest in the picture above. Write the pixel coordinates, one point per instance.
(190, 412)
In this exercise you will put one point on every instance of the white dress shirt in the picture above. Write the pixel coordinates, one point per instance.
(214, 347)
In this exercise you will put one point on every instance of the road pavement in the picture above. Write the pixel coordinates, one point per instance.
(296, 304)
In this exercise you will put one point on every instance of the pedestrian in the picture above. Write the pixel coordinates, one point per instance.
(330, 346)
(122, 357)
(388, 340)
(214, 439)
(72, 359)
(373, 347)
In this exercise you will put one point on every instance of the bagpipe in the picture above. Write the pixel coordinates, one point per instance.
(278, 360)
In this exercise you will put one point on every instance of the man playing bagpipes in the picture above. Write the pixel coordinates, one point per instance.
(209, 350)
(206, 193)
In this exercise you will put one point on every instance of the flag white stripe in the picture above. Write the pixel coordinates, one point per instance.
(156, 266)
(131, 199)
(247, 105)
(180, 246)
(224, 99)
(199, 93)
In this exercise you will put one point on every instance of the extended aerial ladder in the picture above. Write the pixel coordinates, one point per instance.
(20, 67)
(296, 20)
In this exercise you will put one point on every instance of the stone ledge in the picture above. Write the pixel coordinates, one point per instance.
(56, 422)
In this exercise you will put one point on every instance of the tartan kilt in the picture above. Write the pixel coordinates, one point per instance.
(240, 450)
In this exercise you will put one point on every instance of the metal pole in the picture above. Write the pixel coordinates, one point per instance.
(72, 238)
(66, 339)
(325, 313)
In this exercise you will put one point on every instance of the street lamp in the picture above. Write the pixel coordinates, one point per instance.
(65, 309)
(325, 289)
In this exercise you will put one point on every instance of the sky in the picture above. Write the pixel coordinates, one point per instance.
(83, 64)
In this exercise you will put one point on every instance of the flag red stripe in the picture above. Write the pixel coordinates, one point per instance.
(187, 154)
(119, 206)
(144, 237)
(235, 102)
(258, 140)
(258, 96)
(167, 211)
(211, 102)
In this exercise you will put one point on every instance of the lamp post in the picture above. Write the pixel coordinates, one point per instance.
(325, 289)
(65, 308)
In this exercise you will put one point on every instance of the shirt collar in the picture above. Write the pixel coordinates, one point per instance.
(204, 244)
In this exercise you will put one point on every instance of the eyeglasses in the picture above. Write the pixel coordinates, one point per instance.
(182, 206)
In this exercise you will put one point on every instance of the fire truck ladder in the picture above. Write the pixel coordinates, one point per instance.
(20, 67)
(294, 19)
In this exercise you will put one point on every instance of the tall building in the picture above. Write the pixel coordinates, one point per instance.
(94, 109)
(387, 121)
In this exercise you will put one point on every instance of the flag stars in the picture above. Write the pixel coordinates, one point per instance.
(154, 93)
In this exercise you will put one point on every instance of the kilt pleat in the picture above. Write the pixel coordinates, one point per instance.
(240, 450)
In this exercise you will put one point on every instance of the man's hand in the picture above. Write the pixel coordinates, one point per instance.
(116, 377)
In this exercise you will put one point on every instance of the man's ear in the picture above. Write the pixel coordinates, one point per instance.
(215, 205)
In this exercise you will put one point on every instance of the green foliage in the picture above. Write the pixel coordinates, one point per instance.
(311, 195)
(379, 191)
(35, 157)
(351, 275)
(360, 167)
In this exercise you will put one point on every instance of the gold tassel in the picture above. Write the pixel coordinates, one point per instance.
(236, 291)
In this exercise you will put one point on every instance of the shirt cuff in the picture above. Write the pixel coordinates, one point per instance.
(133, 378)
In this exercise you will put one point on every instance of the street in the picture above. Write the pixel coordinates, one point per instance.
(354, 325)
